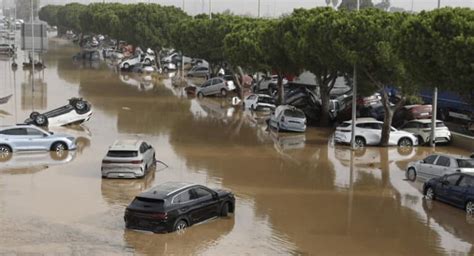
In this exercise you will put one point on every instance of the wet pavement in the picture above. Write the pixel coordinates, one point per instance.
(297, 194)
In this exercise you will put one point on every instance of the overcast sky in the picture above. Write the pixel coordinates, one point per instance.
(272, 7)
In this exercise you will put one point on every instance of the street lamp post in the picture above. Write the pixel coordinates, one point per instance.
(210, 9)
(259, 8)
(354, 99)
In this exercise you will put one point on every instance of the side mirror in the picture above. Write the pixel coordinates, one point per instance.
(215, 195)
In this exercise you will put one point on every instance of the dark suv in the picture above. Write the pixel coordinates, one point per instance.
(174, 206)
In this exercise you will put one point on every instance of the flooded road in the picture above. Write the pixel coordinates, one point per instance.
(296, 194)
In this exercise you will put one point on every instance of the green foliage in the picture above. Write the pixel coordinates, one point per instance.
(437, 48)
(68, 16)
(49, 14)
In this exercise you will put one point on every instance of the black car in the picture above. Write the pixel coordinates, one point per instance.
(456, 189)
(174, 206)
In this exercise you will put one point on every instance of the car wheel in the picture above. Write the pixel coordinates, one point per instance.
(200, 94)
(33, 115)
(223, 92)
(360, 142)
(429, 194)
(405, 142)
(147, 61)
(41, 120)
(58, 146)
(180, 226)
(411, 174)
(126, 66)
(225, 210)
(5, 153)
(470, 207)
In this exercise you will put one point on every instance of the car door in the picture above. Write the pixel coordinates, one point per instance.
(457, 194)
(206, 204)
(426, 168)
(447, 184)
(37, 140)
(442, 166)
(205, 87)
(217, 84)
(17, 138)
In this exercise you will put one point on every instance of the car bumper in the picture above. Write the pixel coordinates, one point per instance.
(147, 224)
(292, 128)
(120, 172)
(342, 138)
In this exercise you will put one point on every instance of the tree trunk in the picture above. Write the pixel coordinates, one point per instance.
(387, 121)
(325, 84)
(281, 89)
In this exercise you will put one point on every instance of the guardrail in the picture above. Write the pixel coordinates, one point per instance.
(463, 141)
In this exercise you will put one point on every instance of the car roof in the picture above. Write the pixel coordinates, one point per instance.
(166, 189)
(127, 144)
(365, 120)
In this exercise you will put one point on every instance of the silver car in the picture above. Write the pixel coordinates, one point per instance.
(198, 71)
(288, 118)
(438, 165)
(31, 138)
(128, 159)
(214, 86)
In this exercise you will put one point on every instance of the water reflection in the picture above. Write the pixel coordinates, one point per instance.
(31, 162)
(122, 191)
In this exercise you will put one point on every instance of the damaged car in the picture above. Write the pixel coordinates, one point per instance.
(288, 118)
(76, 112)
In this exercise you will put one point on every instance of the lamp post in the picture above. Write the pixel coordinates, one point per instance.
(259, 8)
(354, 99)
(210, 9)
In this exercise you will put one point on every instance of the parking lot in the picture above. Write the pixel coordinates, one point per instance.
(295, 193)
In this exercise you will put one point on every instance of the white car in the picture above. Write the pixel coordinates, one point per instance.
(128, 159)
(288, 118)
(368, 131)
(146, 59)
(76, 112)
(259, 102)
(421, 128)
(438, 165)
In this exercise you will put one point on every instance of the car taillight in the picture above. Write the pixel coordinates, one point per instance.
(160, 215)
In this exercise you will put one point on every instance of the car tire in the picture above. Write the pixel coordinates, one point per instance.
(225, 210)
(360, 142)
(147, 61)
(470, 207)
(411, 174)
(223, 92)
(126, 66)
(429, 193)
(180, 225)
(5, 153)
(33, 115)
(200, 95)
(41, 120)
(405, 142)
(81, 107)
(59, 146)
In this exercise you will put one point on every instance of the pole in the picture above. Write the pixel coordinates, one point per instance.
(354, 107)
(259, 8)
(358, 5)
(439, 4)
(32, 48)
(210, 8)
(433, 117)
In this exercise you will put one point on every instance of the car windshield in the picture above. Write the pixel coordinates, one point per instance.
(122, 153)
(266, 100)
(151, 204)
(294, 113)
(466, 163)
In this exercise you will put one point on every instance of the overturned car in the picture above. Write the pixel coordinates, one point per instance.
(76, 112)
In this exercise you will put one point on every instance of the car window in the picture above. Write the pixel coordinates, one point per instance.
(466, 163)
(14, 131)
(34, 132)
(375, 126)
(294, 113)
(252, 97)
(443, 161)
(122, 153)
(266, 100)
(466, 181)
(207, 83)
(430, 159)
(453, 179)
(182, 197)
(143, 148)
(217, 81)
(198, 193)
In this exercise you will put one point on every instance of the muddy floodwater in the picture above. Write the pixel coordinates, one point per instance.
(296, 194)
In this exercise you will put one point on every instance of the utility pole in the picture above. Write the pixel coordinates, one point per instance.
(259, 8)
(32, 48)
(354, 99)
(434, 107)
(439, 4)
(210, 9)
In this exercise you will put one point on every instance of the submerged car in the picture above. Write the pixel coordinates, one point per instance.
(456, 189)
(7, 49)
(31, 138)
(76, 112)
(437, 165)
(174, 206)
(368, 131)
(214, 86)
(128, 159)
(146, 58)
(198, 71)
(288, 118)
(259, 102)
(421, 128)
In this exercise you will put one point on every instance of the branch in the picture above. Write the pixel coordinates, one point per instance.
(377, 83)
